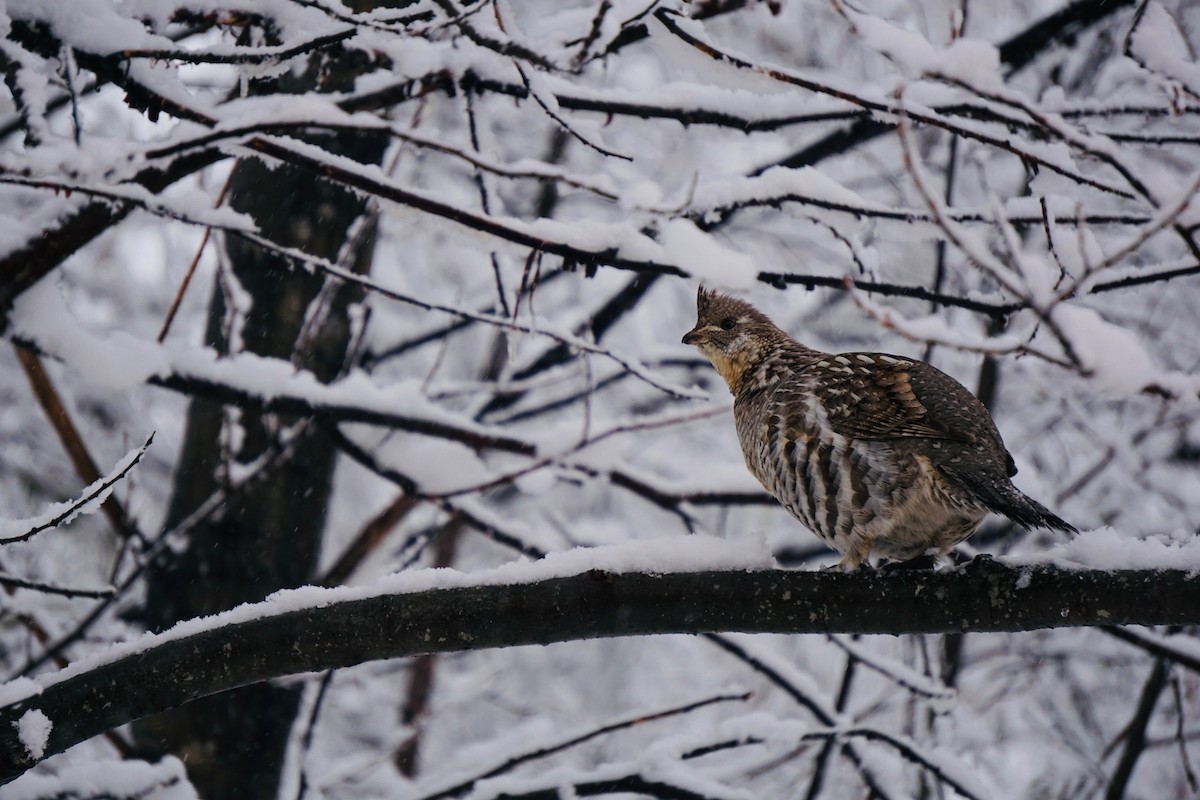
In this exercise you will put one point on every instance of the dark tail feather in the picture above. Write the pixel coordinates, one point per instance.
(1004, 498)
(1030, 513)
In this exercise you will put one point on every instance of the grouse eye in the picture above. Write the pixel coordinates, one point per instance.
(728, 323)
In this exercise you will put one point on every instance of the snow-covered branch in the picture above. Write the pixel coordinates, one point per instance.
(89, 502)
(310, 629)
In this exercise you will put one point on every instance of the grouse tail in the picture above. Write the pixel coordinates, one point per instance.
(1001, 496)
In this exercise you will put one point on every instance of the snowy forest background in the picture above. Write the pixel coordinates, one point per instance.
(401, 285)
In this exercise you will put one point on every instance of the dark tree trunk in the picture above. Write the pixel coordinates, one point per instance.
(266, 536)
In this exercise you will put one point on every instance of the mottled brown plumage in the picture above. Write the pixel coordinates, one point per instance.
(874, 453)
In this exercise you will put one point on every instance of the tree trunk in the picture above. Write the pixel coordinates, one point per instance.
(266, 536)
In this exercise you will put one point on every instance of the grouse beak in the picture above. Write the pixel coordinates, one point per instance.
(691, 337)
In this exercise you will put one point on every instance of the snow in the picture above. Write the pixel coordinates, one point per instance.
(703, 256)
(1111, 445)
(1158, 42)
(121, 362)
(96, 493)
(823, 197)
(1105, 548)
(95, 22)
(971, 60)
(1117, 361)
(116, 362)
(18, 689)
(656, 556)
(165, 780)
(34, 728)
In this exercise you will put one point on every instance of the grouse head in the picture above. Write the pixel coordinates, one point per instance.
(732, 334)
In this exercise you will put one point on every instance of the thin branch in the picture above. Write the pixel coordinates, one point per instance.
(191, 270)
(64, 591)
(301, 406)
(258, 55)
(906, 748)
(1157, 646)
(513, 762)
(93, 492)
(1185, 760)
(408, 485)
(250, 476)
(668, 18)
(896, 673)
(504, 323)
(821, 767)
(85, 466)
(818, 709)
(310, 727)
(501, 46)
(1135, 732)
(562, 123)
(632, 782)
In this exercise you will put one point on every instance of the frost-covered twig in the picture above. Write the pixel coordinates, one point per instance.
(958, 781)
(230, 136)
(668, 18)
(26, 85)
(975, 250)
(935, 332)
(250, 474)
(802, 695)
(898, 673)
(242, 55)
(87, 503)
(302, 405)
(583, 444)
(543, 751)
(489, 528)
(575, 343)
(60, 419)
(1102, 150)
(128, 195)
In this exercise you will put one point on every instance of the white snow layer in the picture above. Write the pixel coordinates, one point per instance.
(657, 556)
(165, 780)
(33, 729)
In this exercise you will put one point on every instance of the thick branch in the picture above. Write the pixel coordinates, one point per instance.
(326, 632)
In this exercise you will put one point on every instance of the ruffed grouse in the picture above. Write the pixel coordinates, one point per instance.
(875, 454)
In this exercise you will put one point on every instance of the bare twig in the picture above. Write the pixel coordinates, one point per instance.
(1135, 731)
(14, 582)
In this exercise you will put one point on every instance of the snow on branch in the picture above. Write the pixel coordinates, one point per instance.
(272, 385)
(241, 55)
(93, 497)
(542, 751)
(672, 21)
(337, 403)
(625, 590)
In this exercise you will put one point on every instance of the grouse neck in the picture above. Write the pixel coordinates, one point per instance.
(774, 365)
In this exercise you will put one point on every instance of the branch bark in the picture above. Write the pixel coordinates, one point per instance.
(983, 596)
